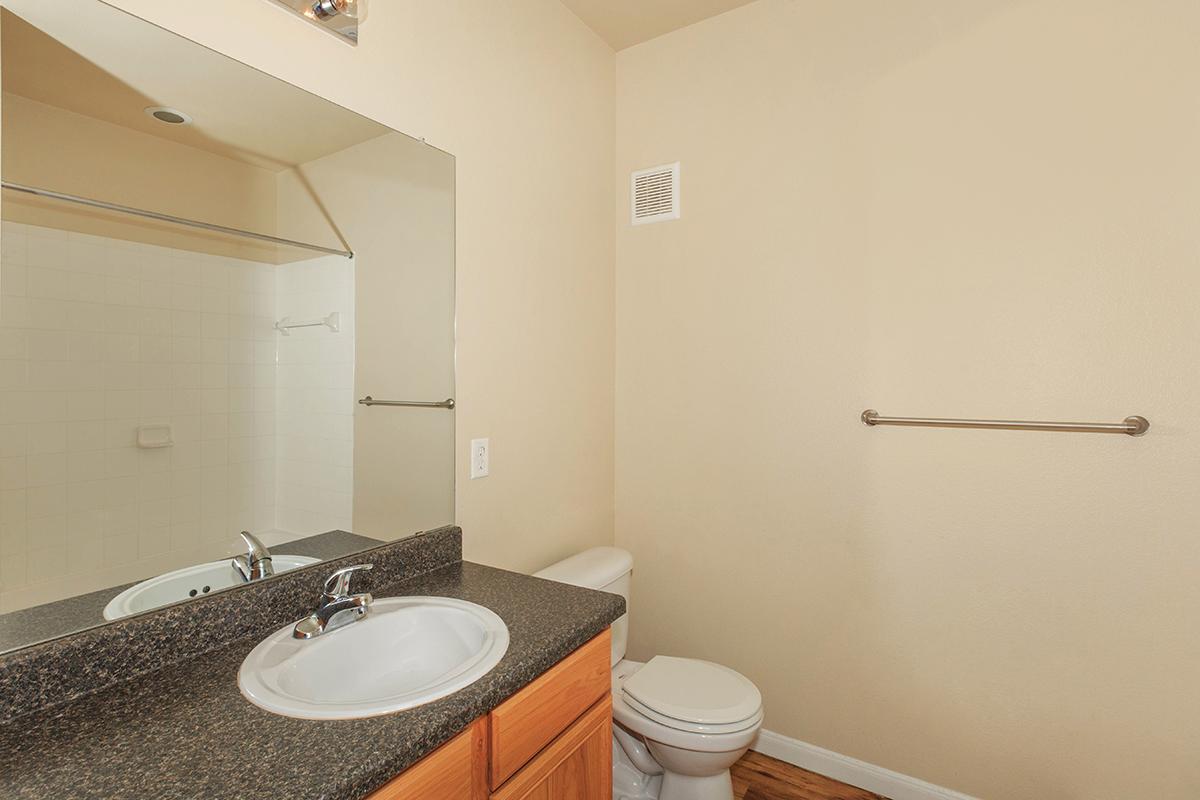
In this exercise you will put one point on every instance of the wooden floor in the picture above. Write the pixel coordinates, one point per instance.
(758, 777)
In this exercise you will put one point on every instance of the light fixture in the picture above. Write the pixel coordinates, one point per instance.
(339, 17)
(351, 9)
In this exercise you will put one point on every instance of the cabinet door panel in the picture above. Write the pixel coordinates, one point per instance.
(530, 720)
(576, 766)
(587, 773)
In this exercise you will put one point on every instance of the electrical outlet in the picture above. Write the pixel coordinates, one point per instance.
(479, 458)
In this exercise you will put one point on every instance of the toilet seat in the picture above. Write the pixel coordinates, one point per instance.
(690, 727)
(693, 696)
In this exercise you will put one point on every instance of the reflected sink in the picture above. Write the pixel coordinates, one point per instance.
(406, 652)
(188, 582)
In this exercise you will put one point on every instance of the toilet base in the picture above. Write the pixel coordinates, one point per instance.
(629, 781)
(692, 787)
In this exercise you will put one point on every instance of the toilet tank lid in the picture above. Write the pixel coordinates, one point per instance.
(592, 569)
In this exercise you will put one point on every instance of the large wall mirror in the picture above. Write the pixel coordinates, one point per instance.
(203, 270)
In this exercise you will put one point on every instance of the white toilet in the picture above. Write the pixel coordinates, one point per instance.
(680, 723)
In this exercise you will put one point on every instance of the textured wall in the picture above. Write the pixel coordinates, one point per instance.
(928, 208)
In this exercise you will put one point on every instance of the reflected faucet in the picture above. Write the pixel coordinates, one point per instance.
(256, 563)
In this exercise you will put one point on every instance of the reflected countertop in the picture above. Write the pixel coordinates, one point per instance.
(40, 623)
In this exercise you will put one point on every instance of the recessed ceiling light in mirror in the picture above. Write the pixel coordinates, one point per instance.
(171, 116)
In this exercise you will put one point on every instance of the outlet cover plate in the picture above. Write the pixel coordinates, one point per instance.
(480, 451)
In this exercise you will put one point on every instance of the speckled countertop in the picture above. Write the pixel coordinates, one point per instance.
(185, 731)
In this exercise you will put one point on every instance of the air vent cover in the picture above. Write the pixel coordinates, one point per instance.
(655, 194)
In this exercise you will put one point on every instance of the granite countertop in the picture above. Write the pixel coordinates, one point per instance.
(39, 623)
(185, 731)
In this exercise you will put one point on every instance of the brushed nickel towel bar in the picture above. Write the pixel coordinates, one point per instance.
(371, 401)
(1132, 426)
(154, 215)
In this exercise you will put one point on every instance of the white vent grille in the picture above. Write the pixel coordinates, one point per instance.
(655, 194)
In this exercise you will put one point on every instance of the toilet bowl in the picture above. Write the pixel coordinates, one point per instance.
(679, 723)
(693, 755)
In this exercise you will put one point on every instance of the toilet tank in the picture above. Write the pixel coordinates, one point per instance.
(605, 569)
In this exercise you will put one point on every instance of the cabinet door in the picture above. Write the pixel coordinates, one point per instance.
(575, 766)
(455, 771)
(534, 717)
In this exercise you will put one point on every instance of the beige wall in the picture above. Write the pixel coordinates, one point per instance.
(522, 94)
(930, 208)
(393, 200)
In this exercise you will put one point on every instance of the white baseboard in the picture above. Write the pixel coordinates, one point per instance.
(850, 770)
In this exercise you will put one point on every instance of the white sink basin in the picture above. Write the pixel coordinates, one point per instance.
(406, 652)
(182, 584)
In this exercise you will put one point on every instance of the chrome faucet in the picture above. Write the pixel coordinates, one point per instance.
(256, 563)
(338, 607)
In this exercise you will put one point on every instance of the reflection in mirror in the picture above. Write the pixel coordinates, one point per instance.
(202, 269)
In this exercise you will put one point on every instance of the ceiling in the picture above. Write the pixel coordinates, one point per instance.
(624, 23)
(100, 62)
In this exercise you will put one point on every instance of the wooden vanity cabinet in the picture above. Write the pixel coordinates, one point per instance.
(550, 741)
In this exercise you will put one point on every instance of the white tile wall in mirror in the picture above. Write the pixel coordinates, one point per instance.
(99, 337)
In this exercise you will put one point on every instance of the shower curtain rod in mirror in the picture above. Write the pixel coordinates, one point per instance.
(154, 215)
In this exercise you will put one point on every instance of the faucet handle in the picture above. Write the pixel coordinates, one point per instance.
(338, 584)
